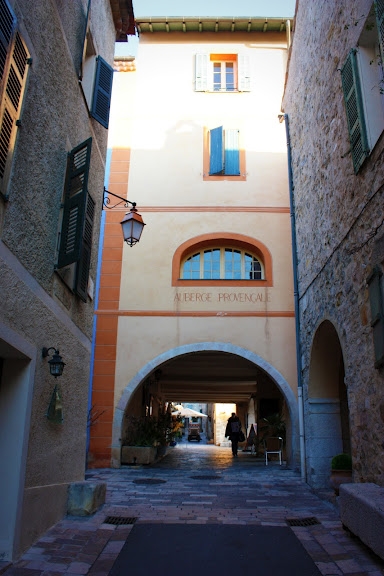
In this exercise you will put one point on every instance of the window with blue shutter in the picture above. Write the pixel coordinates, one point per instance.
(224, 153)
(354, 110)
(102, 92)
(377, 317)
(74, 210)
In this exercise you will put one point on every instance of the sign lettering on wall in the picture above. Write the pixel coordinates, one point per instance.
(223, 297)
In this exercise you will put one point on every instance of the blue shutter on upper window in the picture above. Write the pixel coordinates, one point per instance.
(232, 153)
(102, 92)
(216, 156)
(379, 12)
(354, 110)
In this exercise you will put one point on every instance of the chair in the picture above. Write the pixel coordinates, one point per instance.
(273, 445)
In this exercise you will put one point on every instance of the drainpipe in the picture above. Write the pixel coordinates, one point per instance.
(296, 299)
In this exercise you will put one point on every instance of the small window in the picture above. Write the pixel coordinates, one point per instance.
(222, 73)
(222, 264)
(362, 81)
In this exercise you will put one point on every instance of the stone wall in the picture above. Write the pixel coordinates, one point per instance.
(338, 217)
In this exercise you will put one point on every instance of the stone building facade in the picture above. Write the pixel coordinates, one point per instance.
(53, 142)
(333, 109)
(180, 317)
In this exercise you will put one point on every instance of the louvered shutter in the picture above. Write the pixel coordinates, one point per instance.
(377, 318)
(82, 272)
(232, 153)
(101, 100)
(13, 75)
(379, 12)
(216, 156)
(243, 73)
(74, 204)
(201, 72)
(354, 110)
(84, 40)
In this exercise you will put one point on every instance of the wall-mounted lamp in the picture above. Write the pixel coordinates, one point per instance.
(56, 364)
(132, 223)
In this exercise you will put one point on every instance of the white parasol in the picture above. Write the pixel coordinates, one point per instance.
(188, 412)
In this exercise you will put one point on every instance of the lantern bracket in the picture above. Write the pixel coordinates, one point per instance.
(124, 201)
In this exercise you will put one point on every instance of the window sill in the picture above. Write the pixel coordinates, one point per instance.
(224, 282)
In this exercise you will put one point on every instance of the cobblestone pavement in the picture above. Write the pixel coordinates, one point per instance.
(199, 484)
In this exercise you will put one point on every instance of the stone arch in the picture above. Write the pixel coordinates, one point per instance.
(327, 414)
(152, 365)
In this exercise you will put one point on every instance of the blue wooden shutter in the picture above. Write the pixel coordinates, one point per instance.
(216, 156)
(354, 109)
(74, 204)
(379, 12)
(201, 72)
(232, 153)
(377, 317)
(243, 73)
(101, 100)
(83, 266)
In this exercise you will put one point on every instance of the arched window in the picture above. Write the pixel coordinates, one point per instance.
(222, 259)
(222, 264)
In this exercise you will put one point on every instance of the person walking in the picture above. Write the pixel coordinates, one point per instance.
(232, 431)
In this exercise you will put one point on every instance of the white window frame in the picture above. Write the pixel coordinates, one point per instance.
(222, 276)
(204, 73)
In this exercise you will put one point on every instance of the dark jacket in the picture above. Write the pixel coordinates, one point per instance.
(233, 427)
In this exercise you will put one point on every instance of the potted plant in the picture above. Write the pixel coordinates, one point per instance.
(140, 440)
(341, 471)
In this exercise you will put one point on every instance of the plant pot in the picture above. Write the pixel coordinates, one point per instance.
(340, 477)
(138, 454)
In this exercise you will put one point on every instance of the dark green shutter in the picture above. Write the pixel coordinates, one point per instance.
(377, 318)
(354, 109)
(74, 204)
(379, 12)
(83, 266)
(216, 156)
(102, 92)
(232, 153)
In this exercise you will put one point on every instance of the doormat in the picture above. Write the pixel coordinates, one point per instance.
(191, 549)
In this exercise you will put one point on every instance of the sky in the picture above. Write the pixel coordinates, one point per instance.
(155, 8)
(271, 8)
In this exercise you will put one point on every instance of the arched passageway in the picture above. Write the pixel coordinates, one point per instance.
(327, 414)
(212, 372)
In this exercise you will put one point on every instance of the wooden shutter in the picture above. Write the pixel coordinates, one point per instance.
(84, 40)
(377, 317)
(243, 73)
(216, 156)
(74, 204)
(83, 266)
(354, 110)
(13, 75)
(201, 72)
(232, 153)
(101, 100)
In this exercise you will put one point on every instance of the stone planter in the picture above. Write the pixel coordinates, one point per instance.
(340, 477)
(138, 454)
